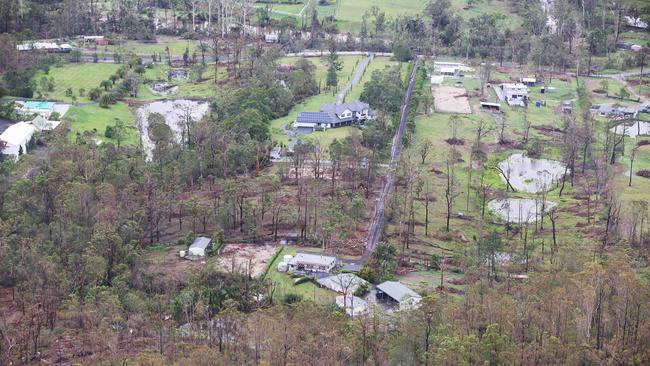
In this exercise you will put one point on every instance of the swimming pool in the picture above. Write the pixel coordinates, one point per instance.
(39, 105)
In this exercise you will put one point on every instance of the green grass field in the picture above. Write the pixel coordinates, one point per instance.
(176, 47)
(349, 12)
(75, 76)
(94, 118)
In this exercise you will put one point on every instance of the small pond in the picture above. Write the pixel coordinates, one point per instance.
(531, 175)
(639, 128)
(519, 210)
(175, 113)
(163, 88)
(179, 74)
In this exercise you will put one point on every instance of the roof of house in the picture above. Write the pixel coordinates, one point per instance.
(353, 305)
(313, 259)
(528, 80)
(18, 133)
(200, 242)
(448, 70)
(342, 282)
(397, 291)
(356, 106)
(41, 123)
(314, 117)
(513, 86)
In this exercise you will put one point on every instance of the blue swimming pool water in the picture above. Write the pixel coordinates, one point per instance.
(39, 105)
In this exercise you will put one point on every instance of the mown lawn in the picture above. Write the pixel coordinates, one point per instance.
(75, 76)
(349, 13)
(283, 284)
(95, 119)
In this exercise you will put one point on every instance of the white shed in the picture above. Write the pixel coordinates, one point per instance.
(17, 138)
(199, 246)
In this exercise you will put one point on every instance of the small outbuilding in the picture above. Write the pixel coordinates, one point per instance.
(398, 294)
(494, 107)
(530, 81)
(344, 283)
(353, 305)
(271, 38)
(199, 246)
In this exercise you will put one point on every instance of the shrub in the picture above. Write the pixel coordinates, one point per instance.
(110, 132)
(55, 116)
(362, 290)
(292, 299)
(367, 274)
(435, 262)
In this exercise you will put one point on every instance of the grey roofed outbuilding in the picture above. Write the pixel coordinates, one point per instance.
(201, 242)
(397, 291)
(342, 282)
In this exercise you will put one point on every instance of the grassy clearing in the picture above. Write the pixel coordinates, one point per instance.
(487, 7)
(94, 119)
(176, 47)
(76, 77)
(349, 13)
(284, 284)
(191, 87)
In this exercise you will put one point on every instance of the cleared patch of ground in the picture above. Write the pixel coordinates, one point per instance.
(451, 99)
(518, 210)
(245, 258)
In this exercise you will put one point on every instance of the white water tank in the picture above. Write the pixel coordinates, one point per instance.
(282, 267)
(181, 254)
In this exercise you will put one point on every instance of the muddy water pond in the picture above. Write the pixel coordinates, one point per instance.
(519, 210)
(638, 128)
(531, 175)
(175, 112)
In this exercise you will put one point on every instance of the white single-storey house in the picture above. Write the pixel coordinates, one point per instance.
(516, 94)
(199, 246)
(311, 263)
(17, 137)
(395, 292)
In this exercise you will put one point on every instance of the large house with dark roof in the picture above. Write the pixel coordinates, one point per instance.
(335, 115)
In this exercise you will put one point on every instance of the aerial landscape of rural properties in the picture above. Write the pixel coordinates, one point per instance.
(324, 182)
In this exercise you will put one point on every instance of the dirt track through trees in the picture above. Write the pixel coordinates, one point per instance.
(374, 230)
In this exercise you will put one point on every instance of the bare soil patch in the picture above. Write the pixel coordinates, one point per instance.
(245, 258)
(451, 99)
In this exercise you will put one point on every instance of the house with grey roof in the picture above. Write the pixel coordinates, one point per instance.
(311, 263)
(397, 294)
(335, 115)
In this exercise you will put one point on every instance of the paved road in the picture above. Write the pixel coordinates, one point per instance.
(340, 97)
(374, 231)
